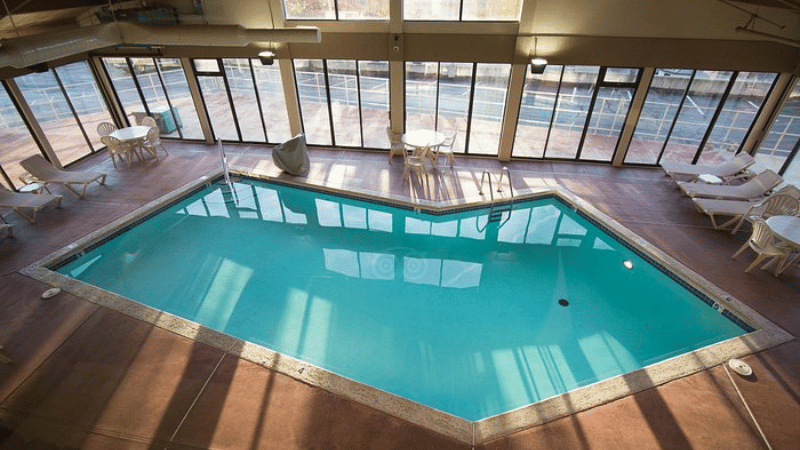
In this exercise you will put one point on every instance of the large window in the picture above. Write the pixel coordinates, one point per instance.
(155, 87)
(244, 99)
(68, 105)
(778, 150)
(344, 102)
(337, 9)
(697, 116)
(488, 105)
(16, 142)
(465, 98)
(462, 10)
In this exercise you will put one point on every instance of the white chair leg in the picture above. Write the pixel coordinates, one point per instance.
(759, 259)
(741, 249)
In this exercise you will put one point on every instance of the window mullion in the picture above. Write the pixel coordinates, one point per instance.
(553, 114)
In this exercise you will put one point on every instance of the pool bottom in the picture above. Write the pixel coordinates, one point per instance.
(473, 433)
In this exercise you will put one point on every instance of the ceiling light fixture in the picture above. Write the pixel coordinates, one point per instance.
(267, 57)
(538, 64)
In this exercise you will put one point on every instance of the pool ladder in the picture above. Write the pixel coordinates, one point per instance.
(496, 211)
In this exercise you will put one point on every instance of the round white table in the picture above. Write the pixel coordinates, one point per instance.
(786, 228)
(422, 138)
(425, 138)
(131, 134)
(135, 136)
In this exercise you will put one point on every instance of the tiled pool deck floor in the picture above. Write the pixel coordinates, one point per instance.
(84, 376)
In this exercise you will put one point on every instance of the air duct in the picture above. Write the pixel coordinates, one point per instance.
(31, 50)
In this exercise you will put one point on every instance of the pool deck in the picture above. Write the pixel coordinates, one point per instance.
(84, 376)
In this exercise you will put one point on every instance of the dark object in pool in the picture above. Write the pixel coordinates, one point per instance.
(563, 302)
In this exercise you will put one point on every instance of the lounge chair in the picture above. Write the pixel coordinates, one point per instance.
(19, 203)
(726, 170)
(5, 230)
(46, 173)
(754, 188)
(745, 210)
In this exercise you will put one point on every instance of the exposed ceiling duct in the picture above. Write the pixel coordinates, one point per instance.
(31, 50)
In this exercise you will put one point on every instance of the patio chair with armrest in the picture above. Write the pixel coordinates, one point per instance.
(763, 242)
(754, 188)
(117, 149)
(446, 149)
(31, 203)
(396, 145)
(47, 173)
(153, 141)
(726, 170)
(106, 128)
(415, 161)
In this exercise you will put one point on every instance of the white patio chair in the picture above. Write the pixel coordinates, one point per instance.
(763, 242)
(106, 128)
(396, 145)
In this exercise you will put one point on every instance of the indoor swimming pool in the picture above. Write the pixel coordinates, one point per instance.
(468, 317)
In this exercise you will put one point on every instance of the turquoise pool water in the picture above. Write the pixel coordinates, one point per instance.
(468, 317)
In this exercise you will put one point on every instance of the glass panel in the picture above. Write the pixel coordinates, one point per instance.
(343, 84)
(737, 115)
(621, 75)
(124, 86)
(792, 174)
(374, 83)
(50, 109)
(492, 10)
(86, 98)
(206, 65)
(363, 9)
(702, 101)
(430, 9)
(219, 108)
(184, 116)
(152, 90)
(536, 111)
(309, 9)
(16, 142)
(245, 102)
(311, 90)
(455, 86)
(783, 134)
(577, 87)
(608, 117)
(658, 113)
(491, 85)
(273, 101)
(421, 93)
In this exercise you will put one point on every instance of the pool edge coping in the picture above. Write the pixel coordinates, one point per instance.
(479, 432)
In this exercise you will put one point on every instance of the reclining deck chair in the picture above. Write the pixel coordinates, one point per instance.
(21, 202)
(47, 173)
(744, 210)
(756, 187)
(690, 172)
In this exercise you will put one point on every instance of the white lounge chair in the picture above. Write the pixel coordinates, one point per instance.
(754, 188)
(47, 173)
(726, 170)
(21, 203)
(740, 211)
